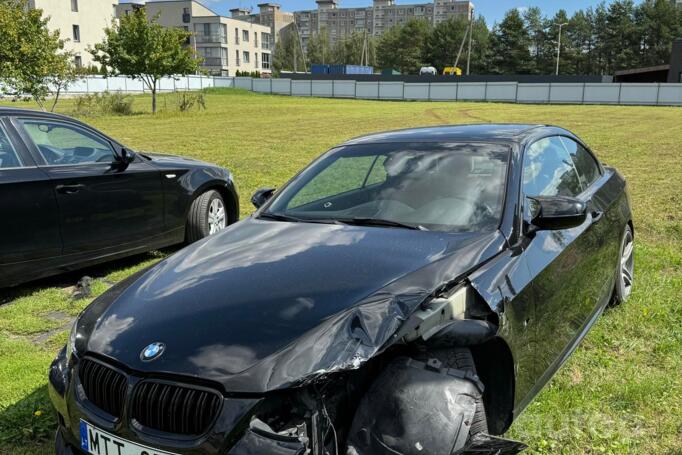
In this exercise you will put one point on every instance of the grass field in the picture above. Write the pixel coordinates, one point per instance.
(621, 392)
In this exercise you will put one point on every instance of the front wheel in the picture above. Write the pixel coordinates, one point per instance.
(207, 216)
(626, 268)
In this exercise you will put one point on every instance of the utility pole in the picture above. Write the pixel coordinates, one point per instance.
(471, 32)
(558, 48)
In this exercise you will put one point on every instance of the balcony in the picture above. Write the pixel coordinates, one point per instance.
(214, 61)
(212, 38)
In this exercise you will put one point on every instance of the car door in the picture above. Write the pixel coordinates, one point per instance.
(564, 263)
(103, 203)
(29, 230)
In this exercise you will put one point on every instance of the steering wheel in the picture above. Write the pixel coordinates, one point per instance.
(51, 154)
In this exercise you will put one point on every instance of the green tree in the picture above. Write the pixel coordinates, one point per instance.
(287, 54)
(510, 46)
(621, 43)
(536, 25)
(581, 34)
(32, 58)
(404, 46)
(144, 49)
(445, 41)
(319, 49)
(348, 51)
(658, 23)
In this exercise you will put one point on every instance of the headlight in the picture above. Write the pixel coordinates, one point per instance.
(71, 344)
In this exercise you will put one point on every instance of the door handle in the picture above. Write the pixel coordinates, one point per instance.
(69, 189)
(597, 215)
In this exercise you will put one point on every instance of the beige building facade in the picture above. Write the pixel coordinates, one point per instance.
(81, 23)
(227, 45)
(376, 19)
(269, 14)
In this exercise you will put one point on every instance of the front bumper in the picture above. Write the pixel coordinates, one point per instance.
(229, 433)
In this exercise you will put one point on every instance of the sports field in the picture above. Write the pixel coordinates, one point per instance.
(621, 392)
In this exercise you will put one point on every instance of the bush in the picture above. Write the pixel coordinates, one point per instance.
(186, 101)
(253, 74)
(105, 103)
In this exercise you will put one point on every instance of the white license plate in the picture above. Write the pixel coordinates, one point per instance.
(98, 442)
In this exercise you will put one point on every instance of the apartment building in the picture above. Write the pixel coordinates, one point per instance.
(269, 14)
(227, 45)
(81, 23)
(375, 19)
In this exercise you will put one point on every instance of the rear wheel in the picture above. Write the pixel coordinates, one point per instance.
(207, 216)
(626, 268)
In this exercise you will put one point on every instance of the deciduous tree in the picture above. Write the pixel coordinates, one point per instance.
(32, 58)
(144, 49)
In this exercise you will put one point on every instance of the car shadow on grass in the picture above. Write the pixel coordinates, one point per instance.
(69, 280)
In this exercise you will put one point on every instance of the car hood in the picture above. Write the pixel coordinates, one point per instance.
(266, 304)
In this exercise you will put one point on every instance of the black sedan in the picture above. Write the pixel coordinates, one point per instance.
(71, 196)
(409, 292)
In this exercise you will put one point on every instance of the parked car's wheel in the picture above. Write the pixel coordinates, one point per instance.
(207, 216)
(626, 268)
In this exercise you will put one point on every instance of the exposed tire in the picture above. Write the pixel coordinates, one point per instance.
(430, 403)
(625, 272)
(207, 215)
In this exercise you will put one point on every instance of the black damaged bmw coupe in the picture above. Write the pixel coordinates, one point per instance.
(409, 292)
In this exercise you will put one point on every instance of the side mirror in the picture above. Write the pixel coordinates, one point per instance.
(125, 156)
(261, 196)
(556, 212)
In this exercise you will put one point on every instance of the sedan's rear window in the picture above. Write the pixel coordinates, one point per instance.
(445, 187)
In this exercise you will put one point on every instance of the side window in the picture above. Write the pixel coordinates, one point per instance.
(345, 174)
(587, 167)
(61, 143)
(548, 170)
(8, 156)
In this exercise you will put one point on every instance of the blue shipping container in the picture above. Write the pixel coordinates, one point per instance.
(358, 69)
(318, 68)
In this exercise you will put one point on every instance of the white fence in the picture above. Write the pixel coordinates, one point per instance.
(548, 93)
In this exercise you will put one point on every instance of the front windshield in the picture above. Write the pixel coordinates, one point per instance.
(442, 187)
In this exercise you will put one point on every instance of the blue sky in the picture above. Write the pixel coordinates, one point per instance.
(493, 10)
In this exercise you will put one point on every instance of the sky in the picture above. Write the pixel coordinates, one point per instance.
(492, 10)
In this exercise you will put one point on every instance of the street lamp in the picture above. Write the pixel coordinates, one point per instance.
(558, 48)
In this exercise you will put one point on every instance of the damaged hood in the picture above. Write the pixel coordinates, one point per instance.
(265, 305)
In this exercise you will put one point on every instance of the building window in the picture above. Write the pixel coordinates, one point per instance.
(255, 59)
(237, 60)
(186, 15)
(78, 61)
(255, 39)
(74, 6)
(265, 61)
(76, 33)
(246, 58)
(245, 36)
(236, 36)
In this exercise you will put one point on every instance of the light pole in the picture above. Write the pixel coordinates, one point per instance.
(558, 48)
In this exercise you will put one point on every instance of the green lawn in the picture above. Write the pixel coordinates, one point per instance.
(621, 392)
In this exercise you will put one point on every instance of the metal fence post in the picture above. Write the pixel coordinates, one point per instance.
(516, 93)
(620, 89)
(428, 98)
(456, 91)
(549, 94)
(582, 100)
(658, 94)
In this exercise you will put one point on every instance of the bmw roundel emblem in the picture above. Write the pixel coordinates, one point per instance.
(152, 351)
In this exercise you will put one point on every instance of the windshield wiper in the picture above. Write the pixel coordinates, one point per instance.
(279, 217)
(359, 221)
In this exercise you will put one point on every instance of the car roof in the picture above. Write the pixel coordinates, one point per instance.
(32, 113)
(485, 132)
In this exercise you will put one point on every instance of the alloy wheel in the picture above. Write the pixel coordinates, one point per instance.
(216, 216)
(627, 262)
